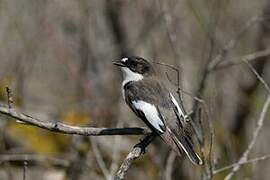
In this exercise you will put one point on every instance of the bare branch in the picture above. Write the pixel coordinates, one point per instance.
(132, 155)
(176, 69)
(33, 158)
(99, 159)
(68, 129)
(257, 130)
(9, 98)
(137, 150)
(25, 163)
(212, 64)
(115, 153)
(231, 44)
(172, 37)
(258, 76)
(240, 60)
(207, 158)
(169, 166)
(242, 163)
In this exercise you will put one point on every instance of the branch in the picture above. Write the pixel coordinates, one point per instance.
(68, 129)
(172, 37)
(212, 64)
(33, 158)
(169, 166)
(9, 98)
(137, 150)
(242, 163)
(99, 159)
(257, 130)
(240, 60)
(132, 155)
(25, 163)
(231, 44)
(115, 152)
(258, 76)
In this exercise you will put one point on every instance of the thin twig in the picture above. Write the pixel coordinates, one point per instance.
(179, 90)
(33, 158)
(24, 169)
(211, 64)
(221, 56)
(258, 76)
(115, 153)
(137, 150)
(99, 159)
(10, 102)
(9, 98)
(256, 131)
(132, 155)
(172, 37)
(176, 69)
(68, 129)
(231, 44)
(242, 163)
(211, 144)
(169, 166)
(207, 158)
(239, 60)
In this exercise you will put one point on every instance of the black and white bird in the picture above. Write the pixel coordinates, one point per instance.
(151, 101)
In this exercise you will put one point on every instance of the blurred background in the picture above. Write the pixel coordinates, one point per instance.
(56, 57)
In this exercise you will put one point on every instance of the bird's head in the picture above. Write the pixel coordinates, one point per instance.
(135, 66)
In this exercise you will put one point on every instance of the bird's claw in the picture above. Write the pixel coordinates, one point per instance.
(141, 146)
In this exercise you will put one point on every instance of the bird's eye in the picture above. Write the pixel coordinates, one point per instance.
(133, 63)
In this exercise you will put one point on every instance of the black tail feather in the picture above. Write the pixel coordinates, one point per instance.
(183, 144)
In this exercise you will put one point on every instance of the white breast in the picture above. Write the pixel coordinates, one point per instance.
(150, 113)
(128, 77)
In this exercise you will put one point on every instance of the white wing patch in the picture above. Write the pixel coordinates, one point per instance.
(150, 112)
(181, 112)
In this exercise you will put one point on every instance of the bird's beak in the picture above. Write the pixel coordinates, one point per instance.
(119, 63)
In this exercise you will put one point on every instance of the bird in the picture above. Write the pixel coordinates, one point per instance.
(151, 101)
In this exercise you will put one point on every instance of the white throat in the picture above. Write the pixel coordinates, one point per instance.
(130, 76)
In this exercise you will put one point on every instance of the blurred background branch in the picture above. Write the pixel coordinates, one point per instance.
(257, 130)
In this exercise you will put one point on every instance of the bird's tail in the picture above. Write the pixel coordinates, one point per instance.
(184, 144)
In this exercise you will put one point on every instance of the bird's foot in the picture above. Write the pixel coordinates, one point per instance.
(142, 146)
(145, 142)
